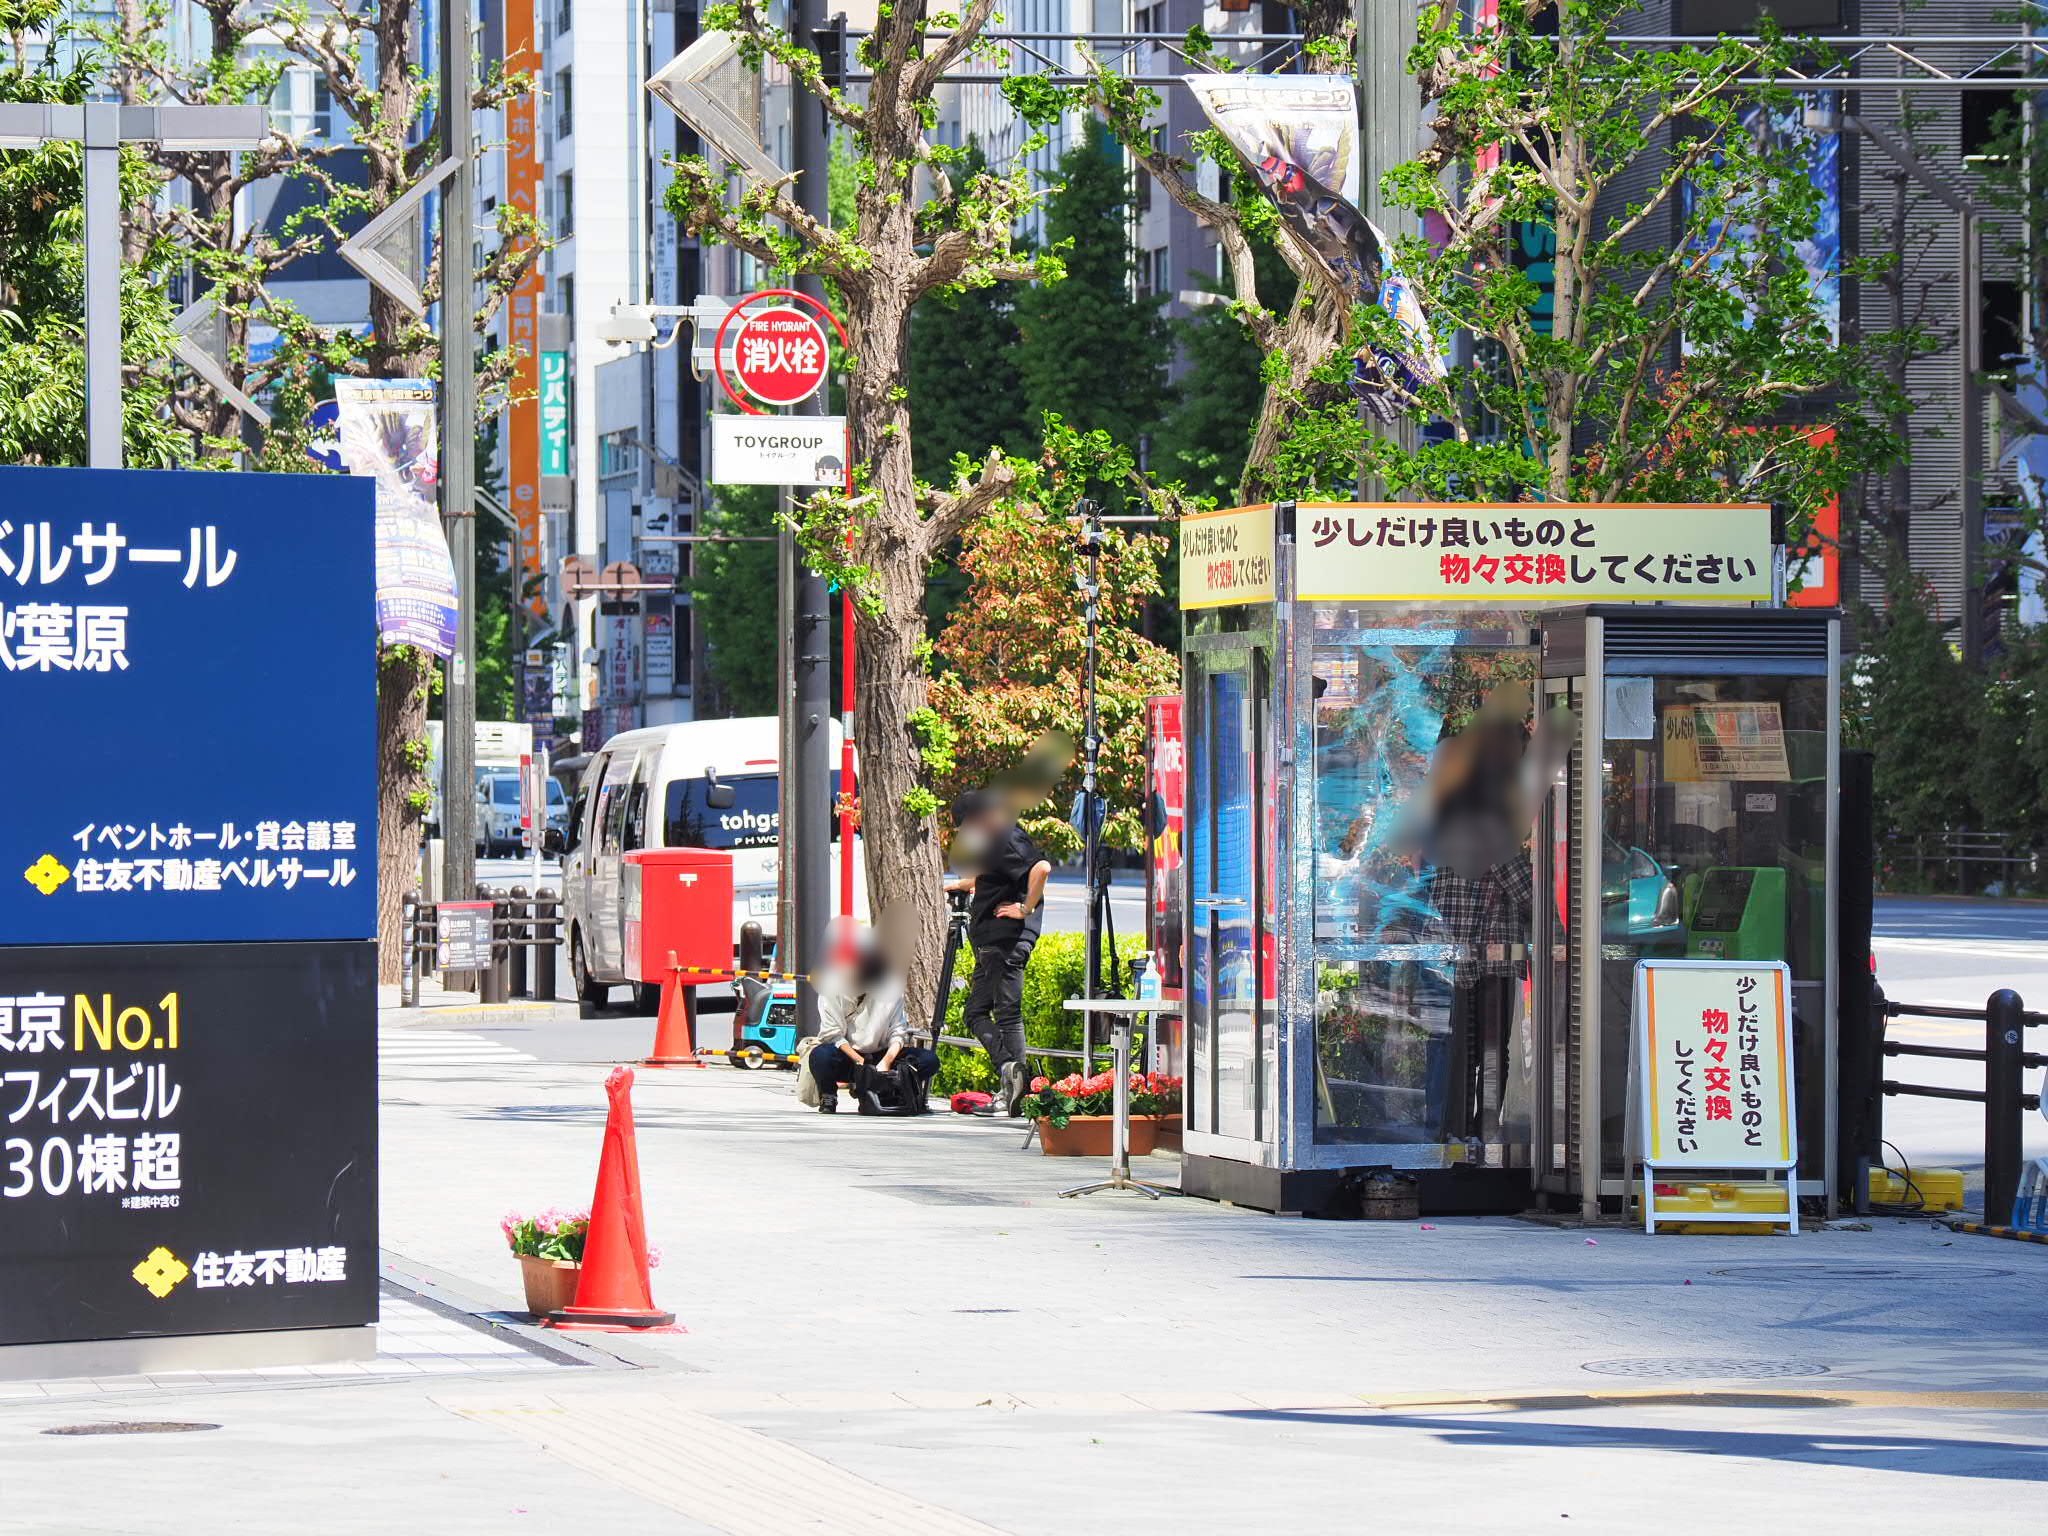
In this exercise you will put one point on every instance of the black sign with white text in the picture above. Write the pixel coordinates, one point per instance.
(188, 1139)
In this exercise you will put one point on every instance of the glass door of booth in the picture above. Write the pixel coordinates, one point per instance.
(1229, 961)
(1425, 778)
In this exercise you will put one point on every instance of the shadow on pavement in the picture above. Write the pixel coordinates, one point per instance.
(1996, 1460)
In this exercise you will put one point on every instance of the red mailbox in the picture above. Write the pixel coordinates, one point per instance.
(678, 900)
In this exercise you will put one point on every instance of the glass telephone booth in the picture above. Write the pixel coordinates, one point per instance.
(1415, 896)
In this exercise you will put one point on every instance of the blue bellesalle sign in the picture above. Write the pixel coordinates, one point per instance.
(187, 661)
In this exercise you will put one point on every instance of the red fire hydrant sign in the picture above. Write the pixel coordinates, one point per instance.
(780, 355)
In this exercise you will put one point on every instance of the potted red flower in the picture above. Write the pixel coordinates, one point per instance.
(1075, 1114)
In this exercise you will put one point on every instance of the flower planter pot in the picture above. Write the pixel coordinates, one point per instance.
(1089, 1136)
(550, 1283)
(1166, 1133)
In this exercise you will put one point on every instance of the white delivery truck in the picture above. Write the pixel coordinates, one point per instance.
(701, 784)
(500, 744)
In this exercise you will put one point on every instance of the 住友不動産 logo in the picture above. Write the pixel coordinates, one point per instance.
(160, 1272)
(46, 874)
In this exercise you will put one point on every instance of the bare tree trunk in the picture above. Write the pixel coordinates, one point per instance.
(404, 679)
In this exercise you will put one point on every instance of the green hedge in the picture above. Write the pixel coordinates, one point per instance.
(1052, 975)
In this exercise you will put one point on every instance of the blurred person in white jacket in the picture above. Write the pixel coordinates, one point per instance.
(863, 1031)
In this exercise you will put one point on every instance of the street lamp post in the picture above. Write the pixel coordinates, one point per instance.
(102, 128)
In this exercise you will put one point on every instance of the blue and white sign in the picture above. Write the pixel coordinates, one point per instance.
(191, 658)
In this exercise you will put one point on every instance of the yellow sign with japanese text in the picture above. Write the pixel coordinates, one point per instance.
(1521, 553)
(1227, 557)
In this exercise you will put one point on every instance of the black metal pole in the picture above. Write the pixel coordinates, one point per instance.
(547, 910)
(2004, 1031)
(807, 812)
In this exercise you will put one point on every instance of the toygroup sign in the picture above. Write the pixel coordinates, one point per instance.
(187, 908)
(780, 355)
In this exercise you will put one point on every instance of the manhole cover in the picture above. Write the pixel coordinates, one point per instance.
(131, 1427)
(1806, 1274)
(1665, 1367)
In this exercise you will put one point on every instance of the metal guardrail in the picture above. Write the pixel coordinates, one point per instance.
(2004, 1097)
(519, 923)
(1954, 854)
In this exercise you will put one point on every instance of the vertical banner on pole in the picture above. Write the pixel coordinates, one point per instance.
(523, 415)
(388, 433)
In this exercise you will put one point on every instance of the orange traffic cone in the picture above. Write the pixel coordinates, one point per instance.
(675, 1030)
(613, 1292)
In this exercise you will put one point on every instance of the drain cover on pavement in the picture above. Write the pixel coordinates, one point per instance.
(131, 1427)
(1665, 1367)
(1801, 1274)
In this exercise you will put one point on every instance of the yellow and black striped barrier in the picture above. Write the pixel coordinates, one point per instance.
(1983, 1229)
(731, 973)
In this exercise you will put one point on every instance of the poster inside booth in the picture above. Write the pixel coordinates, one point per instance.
(188, 882)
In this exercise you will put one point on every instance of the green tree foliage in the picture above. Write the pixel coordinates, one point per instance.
(733, 587)
(42, 274)
(1011, 658)
(964, 382)
(1684, 356)
(1088, 352)
(1913, 704)
(1956, 748)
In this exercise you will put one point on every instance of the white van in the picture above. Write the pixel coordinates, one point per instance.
(701, 784)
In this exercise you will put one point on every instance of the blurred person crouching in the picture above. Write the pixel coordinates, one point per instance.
(864, 1035)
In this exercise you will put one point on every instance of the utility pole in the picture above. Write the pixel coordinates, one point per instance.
(807, 630)
(458, 451)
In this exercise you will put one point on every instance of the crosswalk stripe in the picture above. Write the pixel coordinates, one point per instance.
(1996, 949)
(444, 1048)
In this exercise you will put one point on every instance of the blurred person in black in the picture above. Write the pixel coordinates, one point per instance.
(1005, 872)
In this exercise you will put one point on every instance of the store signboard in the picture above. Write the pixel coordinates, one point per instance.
(191, 1139)
(192, 653)
(1226, 557)
(1519, 554)
(1460, 552)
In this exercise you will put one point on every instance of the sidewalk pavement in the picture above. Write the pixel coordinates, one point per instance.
(899, 1325)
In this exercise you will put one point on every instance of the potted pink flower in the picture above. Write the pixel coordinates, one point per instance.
(549, 1247)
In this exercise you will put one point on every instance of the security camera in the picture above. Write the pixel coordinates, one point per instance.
(628, 325)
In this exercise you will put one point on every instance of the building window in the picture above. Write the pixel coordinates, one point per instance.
(564, 94)
(618, 453)
(1998, 326)
(1161, 262)
(1150, 18)
(1991, 125)
(1711, 18)
(561, 17)
(565, 203)
(565, 295)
